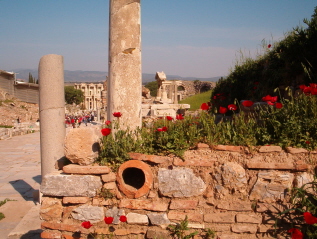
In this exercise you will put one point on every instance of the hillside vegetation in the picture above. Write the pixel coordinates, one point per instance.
(290, 62)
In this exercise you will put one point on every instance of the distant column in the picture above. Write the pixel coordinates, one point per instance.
(52, 111)
(125, 76)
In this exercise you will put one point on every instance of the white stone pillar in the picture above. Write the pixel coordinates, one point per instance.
(52, 111)
(125, 75)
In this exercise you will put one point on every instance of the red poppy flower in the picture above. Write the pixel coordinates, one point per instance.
(270, 103)
(108, 122)
(269, 46)
(108, 220)
(179, 117)
(86, 224)
(269, 98)
(296, 234)
(106, 131)
(214, 97)
(117, 114)
(232, 107)
(313, 91)
(123, 218)
(278, 105)
(247, 103)
(302, 87)
(309, 218)
(169, 118)
(256, 83)
(222, 110)
(307, 90)
(307, 142)
(163, 129)
(313, 85)
(204, 106)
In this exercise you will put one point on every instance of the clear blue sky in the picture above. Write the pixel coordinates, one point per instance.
(199, 38)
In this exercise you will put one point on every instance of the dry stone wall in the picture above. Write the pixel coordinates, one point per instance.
(235, 191)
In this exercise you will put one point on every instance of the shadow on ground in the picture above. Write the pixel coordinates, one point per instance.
(25, 189)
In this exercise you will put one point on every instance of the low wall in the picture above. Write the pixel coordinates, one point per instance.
(18, 129)
(229, 189)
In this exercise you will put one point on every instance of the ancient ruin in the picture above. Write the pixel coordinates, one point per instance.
(125, 75)
(228, 190)
(93, 95)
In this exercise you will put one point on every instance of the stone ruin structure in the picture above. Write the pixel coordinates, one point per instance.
(231, 190)
(226, 189)
(166, 101)
(93, 95)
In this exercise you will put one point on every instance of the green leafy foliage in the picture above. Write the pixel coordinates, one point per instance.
(152, 86)
(294, 125)
(73, 95)
(179, 230)
(289, 62)
(303, 199)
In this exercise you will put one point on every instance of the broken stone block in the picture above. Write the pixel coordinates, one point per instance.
(158, 219)
(82, 145)
(180, 182)
(271, 186)
(233, 177)
(51, 209)
(88, 213)
(57, 184)
(135, 218)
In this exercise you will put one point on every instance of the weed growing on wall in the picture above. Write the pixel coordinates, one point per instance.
(301, 215)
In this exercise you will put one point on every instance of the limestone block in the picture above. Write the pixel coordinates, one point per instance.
(268, 149)
(56, 184)
(183, 204)
(51, 209)
(296, 150)
(192, 216)
(180, 182)
(77, 169)
(271, 186)
(219, 217)
(242, 228)
(158, 219)
(82, 145)
(75, 200)
(135, 218)
(163, 112)
(144, 205)
(88, 213)
(156, 233)
(110, 177)
(232, 177)
(249, 218)
(304, 178)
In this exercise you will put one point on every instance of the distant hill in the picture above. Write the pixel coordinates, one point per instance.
(100, 76)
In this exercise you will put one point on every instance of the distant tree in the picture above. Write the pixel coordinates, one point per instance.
(152, 86)
(31, 78)
(73, 95)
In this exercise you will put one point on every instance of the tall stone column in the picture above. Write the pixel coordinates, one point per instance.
(125, 75)
(52, 111)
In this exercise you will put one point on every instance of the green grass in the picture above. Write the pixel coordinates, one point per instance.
(195, 101)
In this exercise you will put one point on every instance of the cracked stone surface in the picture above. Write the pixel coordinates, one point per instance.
(180, 182)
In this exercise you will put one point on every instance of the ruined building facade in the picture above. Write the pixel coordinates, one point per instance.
(94, 95)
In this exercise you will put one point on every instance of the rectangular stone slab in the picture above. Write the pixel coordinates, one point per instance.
(70, 185)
